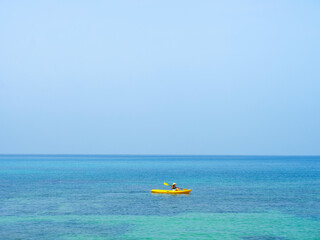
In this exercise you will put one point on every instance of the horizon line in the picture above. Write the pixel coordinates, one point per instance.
(135, 154)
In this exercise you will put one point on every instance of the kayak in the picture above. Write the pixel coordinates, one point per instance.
(184, 191)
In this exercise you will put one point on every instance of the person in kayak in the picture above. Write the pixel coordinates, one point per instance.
(174, 187)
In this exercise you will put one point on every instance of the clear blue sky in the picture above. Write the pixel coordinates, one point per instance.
(160, 77)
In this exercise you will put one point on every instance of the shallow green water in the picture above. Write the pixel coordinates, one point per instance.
(272, 225)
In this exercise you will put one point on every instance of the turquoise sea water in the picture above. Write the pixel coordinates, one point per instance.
(108, 197)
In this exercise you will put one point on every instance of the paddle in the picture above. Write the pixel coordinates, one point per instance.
(170, 185)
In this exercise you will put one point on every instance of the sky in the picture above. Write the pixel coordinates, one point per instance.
(160, 77)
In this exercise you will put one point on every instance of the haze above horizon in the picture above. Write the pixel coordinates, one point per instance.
(142, 77)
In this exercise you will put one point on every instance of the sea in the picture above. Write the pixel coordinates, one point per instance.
(97, 197)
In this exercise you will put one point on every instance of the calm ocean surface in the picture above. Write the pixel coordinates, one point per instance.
(108, 197)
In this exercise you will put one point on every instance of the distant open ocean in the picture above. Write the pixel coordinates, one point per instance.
(108, 197)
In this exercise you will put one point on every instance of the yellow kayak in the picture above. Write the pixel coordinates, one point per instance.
(184, 191)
